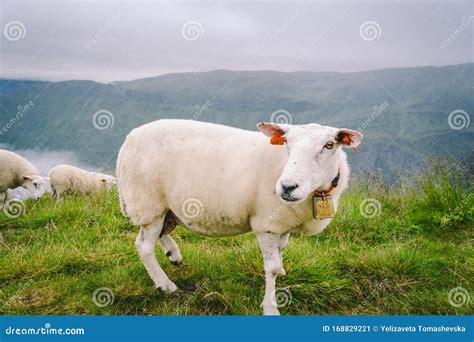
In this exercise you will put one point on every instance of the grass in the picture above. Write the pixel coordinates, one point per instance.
(403, 261)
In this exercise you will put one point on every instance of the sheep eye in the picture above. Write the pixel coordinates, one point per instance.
(35, 184)
(329, 145)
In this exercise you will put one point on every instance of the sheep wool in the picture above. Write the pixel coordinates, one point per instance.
(67, 179)
(227, 175)
(223, 181)
(13, 168)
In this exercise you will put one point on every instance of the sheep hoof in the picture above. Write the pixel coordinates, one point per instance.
(281, 272)
(175, 259)
(168, 288)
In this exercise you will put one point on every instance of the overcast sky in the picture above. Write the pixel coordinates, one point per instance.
(110, 40)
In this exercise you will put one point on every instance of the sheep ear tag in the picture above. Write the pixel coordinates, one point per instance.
(277, 139)
(323, 207)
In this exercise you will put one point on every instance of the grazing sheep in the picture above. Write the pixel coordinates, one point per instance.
(67, 179)
(16, 171)
(222, 181)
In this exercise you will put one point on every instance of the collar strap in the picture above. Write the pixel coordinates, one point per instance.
(334, 183)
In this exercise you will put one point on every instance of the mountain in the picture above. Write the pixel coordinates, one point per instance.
(7, 86)
(402, 112)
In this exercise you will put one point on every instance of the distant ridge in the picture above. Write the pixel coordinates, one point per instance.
(412, 125)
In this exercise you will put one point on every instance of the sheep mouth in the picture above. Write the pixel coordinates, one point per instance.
(289, 198)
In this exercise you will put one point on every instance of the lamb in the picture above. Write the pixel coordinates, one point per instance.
(67, 179)
(16, 171)
(222, 181)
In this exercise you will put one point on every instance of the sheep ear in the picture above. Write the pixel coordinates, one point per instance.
(349, 138)
(271, 129)
(25, 178)
(274, 131)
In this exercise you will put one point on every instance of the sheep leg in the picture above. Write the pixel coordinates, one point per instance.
(145, 244)
(283, 243)
(55, 195)
(171, 249)
(270, 247)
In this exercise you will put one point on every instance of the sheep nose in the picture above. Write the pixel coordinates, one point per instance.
(289, 187)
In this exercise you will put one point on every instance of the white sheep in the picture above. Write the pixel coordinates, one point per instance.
(16, 171)
(222, 181)
(67, 179)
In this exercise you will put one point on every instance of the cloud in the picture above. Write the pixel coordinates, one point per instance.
(107, 41)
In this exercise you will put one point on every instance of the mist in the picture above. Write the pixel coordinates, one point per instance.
(46, 160)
